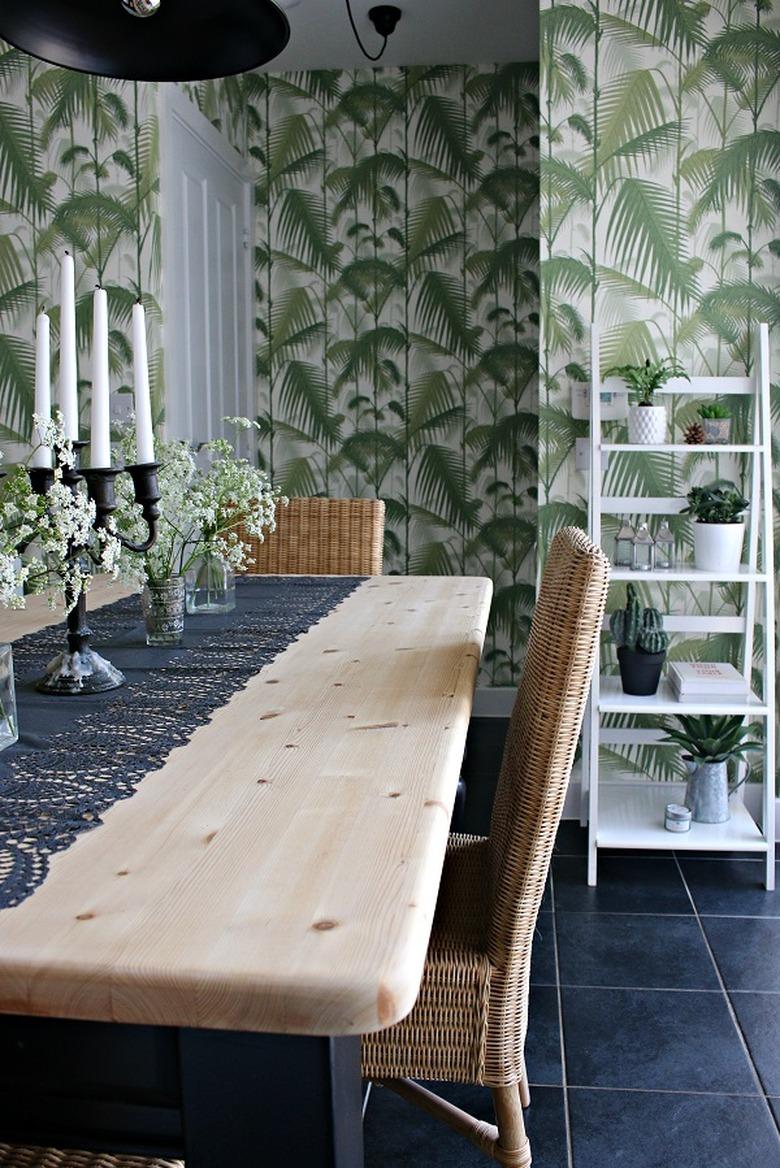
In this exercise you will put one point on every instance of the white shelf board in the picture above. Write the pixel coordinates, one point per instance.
(631, 815)
(612, 700)
(697, 386)
(678, 448)
(686, 573)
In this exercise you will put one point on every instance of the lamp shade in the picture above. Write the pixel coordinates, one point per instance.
(184, 40)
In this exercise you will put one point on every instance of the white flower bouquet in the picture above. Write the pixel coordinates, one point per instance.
(48, 542)
(204, 501)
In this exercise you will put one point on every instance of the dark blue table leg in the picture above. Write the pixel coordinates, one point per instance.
(267, 1100)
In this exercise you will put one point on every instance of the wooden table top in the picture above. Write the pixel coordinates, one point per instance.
(280, 871)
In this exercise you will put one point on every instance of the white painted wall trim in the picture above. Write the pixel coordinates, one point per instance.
(176, 111)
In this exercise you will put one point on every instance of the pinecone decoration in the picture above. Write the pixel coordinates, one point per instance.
(694, 434)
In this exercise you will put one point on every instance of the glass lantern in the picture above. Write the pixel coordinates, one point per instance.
(624, 546)
(643, 550)
(664, 547)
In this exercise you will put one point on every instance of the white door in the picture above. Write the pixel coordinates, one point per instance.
(206, 201)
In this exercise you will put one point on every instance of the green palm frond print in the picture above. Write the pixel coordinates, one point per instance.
(397, 308)
(660, 195)
(79, 170)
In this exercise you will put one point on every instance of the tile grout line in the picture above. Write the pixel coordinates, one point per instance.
(559, 999)
(729, 1005)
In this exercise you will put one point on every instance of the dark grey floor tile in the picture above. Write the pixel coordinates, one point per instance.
(543, 951)
(730, 887)
(619, 1129)
(398, 1135)
(625, 885)
(747, 951)
(571, 840)
(600, 949)
(653, 1040)
(775, 1105)
(759, 1017)
(543, 1041)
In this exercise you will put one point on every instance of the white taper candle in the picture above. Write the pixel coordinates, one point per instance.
(144, 434)
(68, 399)
(41, 455)
(100, 434)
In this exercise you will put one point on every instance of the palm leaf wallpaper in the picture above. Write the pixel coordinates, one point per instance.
(78, 171)
(397, 307)
(396, 285)
(660, 195)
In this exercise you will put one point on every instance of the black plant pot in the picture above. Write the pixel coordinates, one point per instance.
(640, 672)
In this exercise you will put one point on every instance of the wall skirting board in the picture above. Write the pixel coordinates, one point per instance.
(497, 703)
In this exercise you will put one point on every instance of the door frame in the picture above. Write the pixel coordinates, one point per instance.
(177, 112)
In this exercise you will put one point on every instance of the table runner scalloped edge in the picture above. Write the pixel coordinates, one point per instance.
(46, 801)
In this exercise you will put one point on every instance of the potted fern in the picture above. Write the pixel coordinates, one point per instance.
(646, 420)
(710, 742)
(639, 635)
(718, 513)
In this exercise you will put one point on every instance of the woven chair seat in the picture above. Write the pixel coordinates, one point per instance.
(445, 1035)
(13, 1157)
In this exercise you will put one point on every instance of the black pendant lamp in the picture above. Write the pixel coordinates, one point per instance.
(148, 40)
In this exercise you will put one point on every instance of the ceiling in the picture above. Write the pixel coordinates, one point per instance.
(431, 32)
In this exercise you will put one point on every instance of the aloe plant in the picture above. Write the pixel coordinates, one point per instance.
(712, 737)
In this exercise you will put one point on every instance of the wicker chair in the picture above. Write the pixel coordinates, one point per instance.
(469, 1022)
(322, 537)
(12, 1157)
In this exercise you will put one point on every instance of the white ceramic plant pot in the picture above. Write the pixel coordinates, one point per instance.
(647, 425)
(718, 546)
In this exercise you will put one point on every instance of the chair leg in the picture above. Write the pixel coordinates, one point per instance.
(506, 1143)
(525, 1093)
(513, 1150)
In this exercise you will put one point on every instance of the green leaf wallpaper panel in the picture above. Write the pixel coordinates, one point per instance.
(397, 307)
(396, 278)
(660, 194)
(79, 170)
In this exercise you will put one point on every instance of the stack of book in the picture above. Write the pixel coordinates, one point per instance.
(697, 681)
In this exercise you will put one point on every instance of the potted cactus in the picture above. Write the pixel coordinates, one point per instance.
(646, 420)
(639, 635)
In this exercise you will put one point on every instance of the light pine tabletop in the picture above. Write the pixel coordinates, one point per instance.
(280, 871)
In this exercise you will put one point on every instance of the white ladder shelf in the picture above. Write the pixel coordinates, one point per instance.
(629, 813)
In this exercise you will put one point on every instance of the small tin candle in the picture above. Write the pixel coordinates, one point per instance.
(677, 817)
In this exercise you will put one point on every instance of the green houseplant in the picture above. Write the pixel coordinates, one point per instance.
(710, 741)
(646, 420)
(718, 514)
(639, 635)
(715, 422)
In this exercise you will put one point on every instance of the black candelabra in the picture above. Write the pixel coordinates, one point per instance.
(78, 669)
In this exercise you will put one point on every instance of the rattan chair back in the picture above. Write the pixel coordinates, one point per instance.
(538, 756)
(322, 537)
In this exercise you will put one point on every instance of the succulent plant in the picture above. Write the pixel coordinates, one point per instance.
(694, 434)
(637, 628)
(714, 410)
(711, 737)
(716, 503)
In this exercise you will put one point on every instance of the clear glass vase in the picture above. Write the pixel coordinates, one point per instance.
(163, 609)
(9, 726)
(211, 586)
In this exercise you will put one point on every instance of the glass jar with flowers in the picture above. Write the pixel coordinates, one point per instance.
(205, 497)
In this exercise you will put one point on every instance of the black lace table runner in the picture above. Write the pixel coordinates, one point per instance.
(77, 756)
